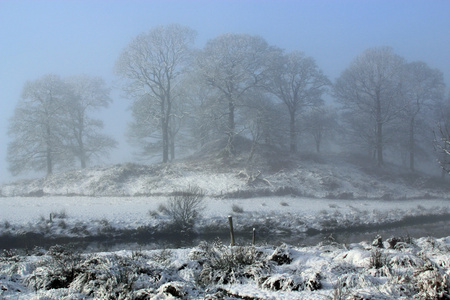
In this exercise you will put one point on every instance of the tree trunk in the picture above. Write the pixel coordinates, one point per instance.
(380, 144)
(172, 148)
(83, 161)
(49, 153)
(82, 155)
(231, 108)
(49, 162)
(165, 140)
(411, 145)
(229, 148)
(203, 135)
(165, 112)
(379, 138)
(81, 142)
(318, 140)
(292, 132)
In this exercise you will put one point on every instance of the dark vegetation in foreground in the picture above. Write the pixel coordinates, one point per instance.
(400, 267)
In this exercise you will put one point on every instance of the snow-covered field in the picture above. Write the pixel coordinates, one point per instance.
(399, 268)
(125, 201)
(268, 214)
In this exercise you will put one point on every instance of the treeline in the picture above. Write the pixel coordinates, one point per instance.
(238, 84)
(52, 125)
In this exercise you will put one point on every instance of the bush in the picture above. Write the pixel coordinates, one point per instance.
(162, 256)
(432, 283)
(58, 271)
(184, 207)
(224, 265)
(237, 209)
(58, 215)
(377, 259)
(281, 255)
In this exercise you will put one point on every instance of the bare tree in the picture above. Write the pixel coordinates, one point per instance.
(442, 135)
(152, 65)
(358, 133)
(299, 83)
(205, 117)
(442, 146)
(370, 89)
(233, 64)
(422, 86)
(89, 94)
(144, 131)
(36, 127)
(261, 118)
(320, 122)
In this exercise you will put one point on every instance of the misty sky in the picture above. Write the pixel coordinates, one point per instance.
(86, 37)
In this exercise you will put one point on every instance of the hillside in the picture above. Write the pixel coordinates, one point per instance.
(269, 173)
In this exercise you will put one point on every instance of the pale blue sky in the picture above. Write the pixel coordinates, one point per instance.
(73, 37)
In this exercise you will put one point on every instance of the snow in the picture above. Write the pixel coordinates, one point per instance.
(418, 270)
(330, 178)
(273, 214)
(129, 198)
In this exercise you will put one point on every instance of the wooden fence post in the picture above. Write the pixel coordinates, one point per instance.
(230, 221)
(254, 237)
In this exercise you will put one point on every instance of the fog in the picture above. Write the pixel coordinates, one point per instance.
(86, 37)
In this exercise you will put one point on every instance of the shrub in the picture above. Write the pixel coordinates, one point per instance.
(162, 256)
(184, 207)
(59, 215)
(80, 229)
(162, 208)
(399, 242)
(237, 209)
(6, 225)
(340, 290)
(432, 283)
(9, 256)
(62, 224)
(107, 277)
(57, 272)
(282, 282)
(105, 227)
(223, 264)
(153, 213)
(377, 259)
(281, 255)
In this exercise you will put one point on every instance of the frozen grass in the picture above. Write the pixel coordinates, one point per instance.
(418, 269)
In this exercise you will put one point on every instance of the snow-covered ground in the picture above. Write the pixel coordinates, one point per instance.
(306, 198)
(399, 268)
(331, 177)
(267, 214)
(21, 210)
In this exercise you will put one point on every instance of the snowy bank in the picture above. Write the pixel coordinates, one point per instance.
(121, 217)
(332, 177)
(398, 268)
